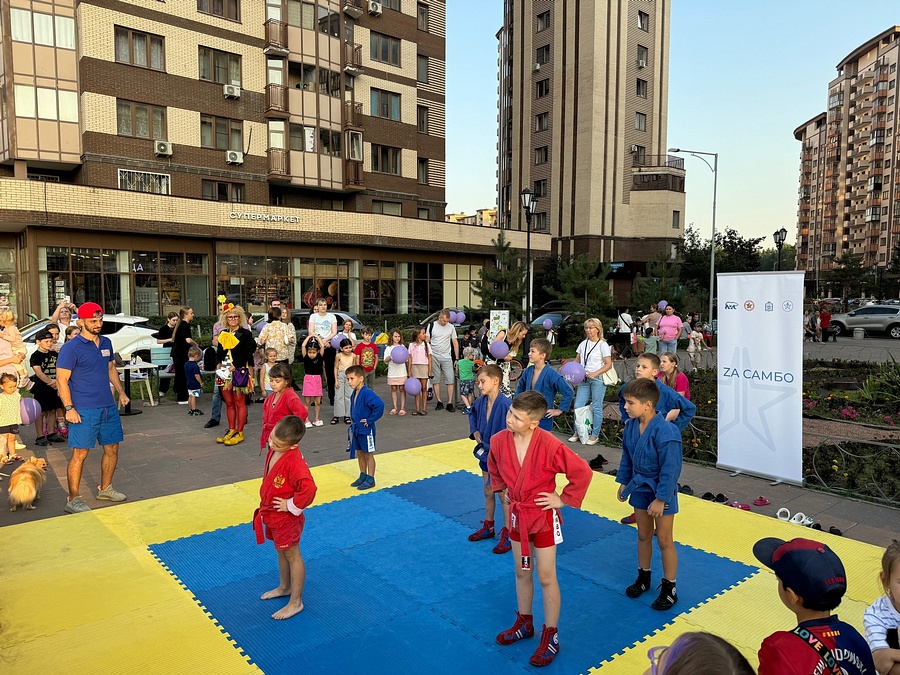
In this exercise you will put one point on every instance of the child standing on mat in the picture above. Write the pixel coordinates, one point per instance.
(538, 377)
(523, 464)
(194, 380)
(312, 377)
(648, 478)
(283, 401)
(365, 409)
(882, 618)
(486, 418)
(287, 488)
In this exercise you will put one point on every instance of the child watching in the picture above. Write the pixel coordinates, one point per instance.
(344, 360)
(396, 374)
(10, 417)
(488, 417)
(670, 375)
(48, 427)
(367, 355)
(287, 488)
(676, 408)
(10, 333)
(698, 653)
(365, 409)
(811, 583)
(523, 464)
(695, 346)
(420, 367)
(72, 331)
(265, 369)
(194, 380)
(538, 377)
(465, 371)
(882, 618)
(648, 478)
(312, 377)
(283, 401)
(54, 330)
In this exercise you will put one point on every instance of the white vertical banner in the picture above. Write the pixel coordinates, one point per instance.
(760, 374)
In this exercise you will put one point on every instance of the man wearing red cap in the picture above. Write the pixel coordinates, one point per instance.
(84, 370)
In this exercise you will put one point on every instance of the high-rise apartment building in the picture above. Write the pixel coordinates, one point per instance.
(185, 149)
(583, 99)
(847, 200)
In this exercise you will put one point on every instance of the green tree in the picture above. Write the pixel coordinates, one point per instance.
(547, 276)
(503, 284)
(663, 282)
(768, 258)
(582, 285)
(734, 253)
(848, 276)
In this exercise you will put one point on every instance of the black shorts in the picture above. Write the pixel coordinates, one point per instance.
(10, 429)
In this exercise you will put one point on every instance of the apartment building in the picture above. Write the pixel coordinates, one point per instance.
(847, 198)
(186, 149)
(583, 100)
(481, 218)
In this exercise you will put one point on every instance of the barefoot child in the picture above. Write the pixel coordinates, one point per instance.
(523, 463)
(546, 381)
(365, 409)
(882, 618)
(396, 374)
(10, 417)
(281, 402)
(194, 380)
(287, 488)
(486, 418)
(312, 376)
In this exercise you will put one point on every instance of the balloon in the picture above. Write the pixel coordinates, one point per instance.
(336, 341)
(333, 288)
(413, 386)
(663, 304)
(454, 317)
(461, 317)
(548, 324)
(499, 349)
(572, 372)
(30, 410)
(399, 354)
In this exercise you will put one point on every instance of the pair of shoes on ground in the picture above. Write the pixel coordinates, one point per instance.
(364, 482)
(317, 423)
(719, 498)
(9, 459)
(523, 628)
(195, 413)
(667, 595)
(108, 494)
(487, 532)
(598, 463)
(233, 437)
(52, 438)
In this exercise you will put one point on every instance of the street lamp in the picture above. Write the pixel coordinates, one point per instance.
(529, 201)
(779, 236)
(712, 249)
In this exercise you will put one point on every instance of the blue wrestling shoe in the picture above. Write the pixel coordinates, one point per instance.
(367, 484)
(359, 481)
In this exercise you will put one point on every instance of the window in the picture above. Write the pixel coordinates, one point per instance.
(543, 88)
(893, 67)
(329, 23)
(140, 120)
(140, 49)
(422, 119)
(384, 49)
(333, 204)
(676, 220)
(387, 208)
(143, 181)
(540, 188)
(423, 171)
(220, 67)
(302, 14)
(542, 121)
(222, 192)
(302, 138)
(355, 146)
(541, 155)
(892, 84)
(277, 134)
(643, 21)
(543, 21)
(385, 159)
(45, 103)
(424, 213)
(640, 121)
(422, 69)
(227, 9)
(385, 104)
(539, 222)
(640, 155)
(643, 56)
(422, 17)
(221, 133)
(391, 4)
(641, 88)
(330, 142)
(42, 29)
(543, 55)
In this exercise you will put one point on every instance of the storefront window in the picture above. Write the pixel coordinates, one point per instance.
(171, 263)
(85, 260)
(144, 262)
(146, 294)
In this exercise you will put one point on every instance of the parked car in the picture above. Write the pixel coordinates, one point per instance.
(300, 321)
(556, 317)
(128, 334)
(873, 319)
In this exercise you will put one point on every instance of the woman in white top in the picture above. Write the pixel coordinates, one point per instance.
(323, 325)
(594, 354)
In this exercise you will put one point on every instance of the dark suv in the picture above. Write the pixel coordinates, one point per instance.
(872, 319)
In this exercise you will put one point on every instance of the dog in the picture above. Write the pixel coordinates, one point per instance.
(26, 482)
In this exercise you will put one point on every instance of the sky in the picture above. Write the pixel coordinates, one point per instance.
(742, 77)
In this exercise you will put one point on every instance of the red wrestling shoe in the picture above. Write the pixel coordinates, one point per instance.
(548, 649)
(504, 545)
(521, 629)
(486, 531)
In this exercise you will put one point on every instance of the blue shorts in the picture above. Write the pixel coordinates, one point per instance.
(98, 425)
(362, 443)
(642, 498)
(195, 393)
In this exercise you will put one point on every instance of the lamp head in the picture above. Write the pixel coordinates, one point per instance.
(779, 236)
(674, 149)
(528, 200)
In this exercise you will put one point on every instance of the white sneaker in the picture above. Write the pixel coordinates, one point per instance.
(318, 423)
(309, 425)
(573, 438)
(20, 446)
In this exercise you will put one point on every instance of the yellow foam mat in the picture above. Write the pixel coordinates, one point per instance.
(85, 586)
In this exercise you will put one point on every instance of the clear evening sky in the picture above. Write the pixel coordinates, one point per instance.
(742, 77)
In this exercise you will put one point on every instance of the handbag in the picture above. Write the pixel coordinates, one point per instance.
(240, 377)
(610, 377)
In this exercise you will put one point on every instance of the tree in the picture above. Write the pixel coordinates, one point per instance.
(583, 286)
(768, 258)
(734, 253)
(663, 282)
(848, 275)
(546, 277)
(502, 285)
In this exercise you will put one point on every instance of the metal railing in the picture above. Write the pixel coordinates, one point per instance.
(668, 161)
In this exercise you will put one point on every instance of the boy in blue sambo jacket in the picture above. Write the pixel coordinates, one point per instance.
(366, 408)
(546, 381)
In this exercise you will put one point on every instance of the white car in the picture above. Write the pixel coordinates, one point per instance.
(128, 334)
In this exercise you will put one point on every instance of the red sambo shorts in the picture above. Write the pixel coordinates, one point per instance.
(549, 535)
(287, 535)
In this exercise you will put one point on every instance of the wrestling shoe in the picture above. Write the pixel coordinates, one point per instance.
(439, 406)
(504, 545)
(521, 629)
(110, 494)
(235, 439)
(640, 585)
(367, 484)
(486, 531)
(548, 649)
(359, 481)
(222, 439)
(667, 596)
(629, 520)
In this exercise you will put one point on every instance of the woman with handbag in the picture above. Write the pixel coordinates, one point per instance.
(233, 374)
(594, 354)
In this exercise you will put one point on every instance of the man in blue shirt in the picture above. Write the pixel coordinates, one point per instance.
(84, 370)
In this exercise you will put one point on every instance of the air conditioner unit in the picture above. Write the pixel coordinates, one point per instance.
(234, 157)
(641, 63)
(231, 91)
(374, 8)
(537, 67)
(634, 148)
(162, 148)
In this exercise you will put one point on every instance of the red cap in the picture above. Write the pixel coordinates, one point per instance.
(90, 310)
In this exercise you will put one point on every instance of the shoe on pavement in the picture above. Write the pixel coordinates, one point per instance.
(222, 439)
(76, 505)
(439, 406)
(110, 494)
(504, 545)
(486, 531)
(573, 438)
(318, 423)
(40, 440)
(235, 438)
(57, 438)
(450, 408)
(309, 424)
(521, 629)
(211, 423)
(592, 440)
(20, 446)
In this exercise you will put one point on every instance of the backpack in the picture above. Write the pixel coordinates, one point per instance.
(210, 359)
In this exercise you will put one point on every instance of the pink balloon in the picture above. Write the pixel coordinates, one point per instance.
(499, 349)
(30, 410)
(399, 354)
(413, 386)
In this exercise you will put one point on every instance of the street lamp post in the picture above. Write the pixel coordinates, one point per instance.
(529, 201)
(779, 236)
(712, 248)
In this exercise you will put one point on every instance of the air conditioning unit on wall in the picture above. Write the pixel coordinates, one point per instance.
(162, 148)
(642, 63)
(234, 157)
(231, 91)
(374, 8)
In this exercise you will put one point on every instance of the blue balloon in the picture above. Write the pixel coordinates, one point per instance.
(461, 317)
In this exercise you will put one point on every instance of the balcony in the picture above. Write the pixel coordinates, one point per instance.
(353, 59)
(353, 115)
(279, 165)
(862, 105)
(276, 38)
(277, 101)
(353, 174)
(353, 8)
(863, 77)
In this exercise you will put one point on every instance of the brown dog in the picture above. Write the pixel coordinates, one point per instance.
(25, 483)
